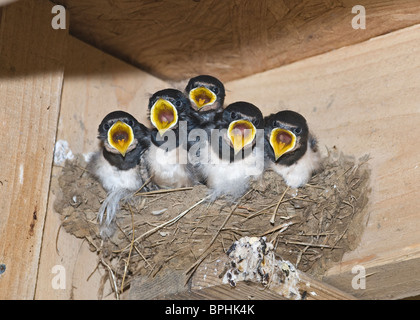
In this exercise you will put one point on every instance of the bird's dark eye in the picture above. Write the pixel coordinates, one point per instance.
(256, 122)
(297, 130)
(129, 122)
(274, 124)
(178, 103)
(233, 115)
(216, 90)
(106, 126)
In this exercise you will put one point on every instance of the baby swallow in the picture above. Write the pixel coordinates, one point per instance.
(235, 151)
(167, 158)
(290, 148)
(207, 95)
(119, 166)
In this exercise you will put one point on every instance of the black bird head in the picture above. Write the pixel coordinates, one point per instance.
(286, 137)
(167, 108)
(124, 139)
(206, 93)
(241, 119)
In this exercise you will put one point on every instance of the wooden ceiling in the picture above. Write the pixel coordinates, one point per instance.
(231, 39)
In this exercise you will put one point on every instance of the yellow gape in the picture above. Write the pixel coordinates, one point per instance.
(120, 136)
(282, 141)
(241, 133)
(202, 97)
(163, 115)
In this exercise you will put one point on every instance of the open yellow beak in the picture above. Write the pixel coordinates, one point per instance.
(120, 136)
(241, 133)
(163, 115)
(282, 141)
(202, 97)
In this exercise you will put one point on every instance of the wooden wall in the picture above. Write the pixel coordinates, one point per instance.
(176, 39)
(362, 98)
(87, 97)
(29, 105)
(52, 87)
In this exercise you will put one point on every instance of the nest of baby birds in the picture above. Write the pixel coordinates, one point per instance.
(178, 229)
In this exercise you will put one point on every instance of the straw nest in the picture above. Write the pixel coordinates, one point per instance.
(178, 229)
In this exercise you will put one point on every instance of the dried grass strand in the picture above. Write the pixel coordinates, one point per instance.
(127, 262)
(273, 217)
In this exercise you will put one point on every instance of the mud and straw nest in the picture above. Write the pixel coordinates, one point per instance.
(178, 229)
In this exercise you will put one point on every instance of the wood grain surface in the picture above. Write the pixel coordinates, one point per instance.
(95, 84)
(363, 99)
(29, 105)
(175, 39)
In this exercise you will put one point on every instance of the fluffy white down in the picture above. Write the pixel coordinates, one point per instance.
(232, 179)
(120, 184)
(169, 169)
(300, 173)
(111, 178)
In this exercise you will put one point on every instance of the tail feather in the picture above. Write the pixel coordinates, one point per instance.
(108, 211)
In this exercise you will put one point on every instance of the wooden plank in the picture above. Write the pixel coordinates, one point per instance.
(318, 290)
(207, 284)
(248, 290)
(364, 100)
(242, 291)
(31, 76)
(230, 39)
(171, 285)
(94, 84)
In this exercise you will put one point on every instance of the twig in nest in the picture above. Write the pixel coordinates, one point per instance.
(162, 191)
(167, 223)
(273, 217)
(246, 208)
(135, 247)
(282, 227)
(348, 225)
(314, 186)
(56, 241)
(113, 279)
(144, 184)
(309, 244)
(258, 212)
(139, 189)
(129, 252)
(90, 240)
(299, 258)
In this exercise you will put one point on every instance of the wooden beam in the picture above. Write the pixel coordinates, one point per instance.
(94, 85)
(175, 40)
(207, 284)
(242, 291)
(31, 76)
(254, 291)
(318, 290)
(363, 99)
